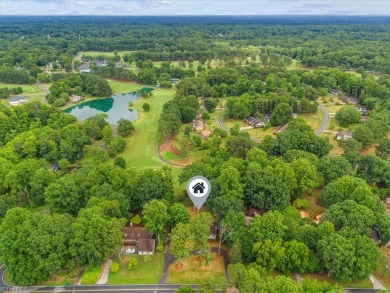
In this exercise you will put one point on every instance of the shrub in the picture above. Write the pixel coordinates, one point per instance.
(59, 102)
(136, 220)
(114, 267)
(146, 107)
(133, 264)
(301, 203)
(147, 258)
(160, 247)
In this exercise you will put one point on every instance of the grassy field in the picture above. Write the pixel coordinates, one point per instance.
(336, 147)
(363, 283)
(90, 276)
(119, 87)
(192, 273)
(381, 274)
(147, 272)
(314, 208)
(313, 120)
(141, 149)
(28, 89)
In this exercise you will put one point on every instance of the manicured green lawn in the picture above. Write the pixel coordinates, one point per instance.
(119, 87)
(192, 273)
(141, 149)
(90, 276)
(148, 272)
(28, 89)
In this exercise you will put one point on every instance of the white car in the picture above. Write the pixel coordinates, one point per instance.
(129, 251)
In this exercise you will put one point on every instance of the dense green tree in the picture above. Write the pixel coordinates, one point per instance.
(306, 176)
(210, 105)
(347, 115)
(155, 216)
(281, 115)
(364, 135)
(265, 189)
(200, 231)
(181, 244)
(125, 127)
(348, 255)
(117, 145)
(33, 246)
(95, 237)
(178, 213)
(65, 196)
(270, 255)
(350, 214)
(332, 168)
(350, 188)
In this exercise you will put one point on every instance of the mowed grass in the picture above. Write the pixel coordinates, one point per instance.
(383, 274)
(192, 273)
(28, 89)
(359, 283)
(90, 276)
(141, 149)
(120, 87)
(148, 272)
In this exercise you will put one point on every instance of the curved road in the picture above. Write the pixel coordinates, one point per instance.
(325, 121)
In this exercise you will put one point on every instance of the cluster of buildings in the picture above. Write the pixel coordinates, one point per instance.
(86, 66)
(363, 110)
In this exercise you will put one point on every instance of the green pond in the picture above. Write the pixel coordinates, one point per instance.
(116, 107)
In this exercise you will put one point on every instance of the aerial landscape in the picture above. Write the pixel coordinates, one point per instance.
(194, 146)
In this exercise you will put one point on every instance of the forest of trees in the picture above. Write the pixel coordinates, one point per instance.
(74, 172)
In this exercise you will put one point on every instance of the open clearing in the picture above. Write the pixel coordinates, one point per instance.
(28, 89)
(148, 272)
(192, 273)
(141, 149)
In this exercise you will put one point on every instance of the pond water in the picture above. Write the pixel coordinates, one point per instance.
(116, 107)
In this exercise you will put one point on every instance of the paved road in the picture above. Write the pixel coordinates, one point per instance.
(160, 288)
(325, 121)
(45, 89)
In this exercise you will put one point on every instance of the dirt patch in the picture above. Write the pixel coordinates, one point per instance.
(179, 267)
(369, 151)
(168, 146)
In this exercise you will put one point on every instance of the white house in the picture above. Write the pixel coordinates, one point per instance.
(16, 101)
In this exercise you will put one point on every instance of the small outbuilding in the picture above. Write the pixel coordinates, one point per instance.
(344, 135)
(198, 124)
(17, 100)
(362, 109)
(213, 232)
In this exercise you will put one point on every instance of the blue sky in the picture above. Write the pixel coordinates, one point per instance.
(194, 7)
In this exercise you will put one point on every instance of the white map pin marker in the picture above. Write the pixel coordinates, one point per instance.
(198, 189)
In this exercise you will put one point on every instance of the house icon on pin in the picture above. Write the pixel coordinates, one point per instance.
(199, 187)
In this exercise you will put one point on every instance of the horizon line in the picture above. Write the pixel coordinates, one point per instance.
(192, 15)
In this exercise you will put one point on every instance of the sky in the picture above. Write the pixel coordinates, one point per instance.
(195, 7)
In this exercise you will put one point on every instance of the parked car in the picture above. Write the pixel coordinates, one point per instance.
(129, 251)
